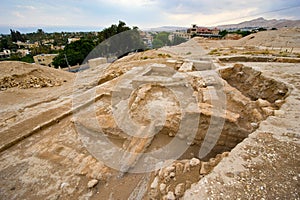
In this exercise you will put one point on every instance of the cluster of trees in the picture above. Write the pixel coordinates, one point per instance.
(16, 36)
(74, 53)
(6, 43)
(223, 33)
(114, 41)
(113, 30)
(162, 39)
(9, 42)
(125, 39)
(17, 57)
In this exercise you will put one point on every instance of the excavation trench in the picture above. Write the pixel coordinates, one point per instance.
(249, 99)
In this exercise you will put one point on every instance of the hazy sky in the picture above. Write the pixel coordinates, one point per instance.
(141, 13)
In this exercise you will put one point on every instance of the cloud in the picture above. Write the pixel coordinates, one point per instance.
(18, 14)
(226, 11)
(28, 7)
(209, 19)
(128, 3)
(143, 13)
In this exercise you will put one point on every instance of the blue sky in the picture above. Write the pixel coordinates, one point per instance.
(141, 13)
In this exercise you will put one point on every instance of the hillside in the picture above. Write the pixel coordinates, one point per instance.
(25, 75)
(261, 22)
(277, 38)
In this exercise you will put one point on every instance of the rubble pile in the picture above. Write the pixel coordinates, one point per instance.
(171, 182)
(24, 75)
(27, 81)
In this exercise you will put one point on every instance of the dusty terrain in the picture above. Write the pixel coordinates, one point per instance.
(175, 123)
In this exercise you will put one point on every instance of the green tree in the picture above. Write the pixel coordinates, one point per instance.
(41, 49)
(157, 43)
(4, 44)
(178, 40)
(117, 45)
(164, 37)
(223, 33)
(113, 30)
(75, 53)
(243, 33)
(27, 58)
(16, 36)
(161, 39)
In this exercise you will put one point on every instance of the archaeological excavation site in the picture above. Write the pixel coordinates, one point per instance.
(181, 122)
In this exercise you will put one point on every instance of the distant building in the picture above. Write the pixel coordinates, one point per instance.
(44, 59)
(56, 47)
(203, 31)
(182, 34)
(171, 37)
(5, 54)
(27, 44)
(70, 40)
(147, 38)
(23, 52)
(47, 41)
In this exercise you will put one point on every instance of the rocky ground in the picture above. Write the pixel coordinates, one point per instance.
(233, 124)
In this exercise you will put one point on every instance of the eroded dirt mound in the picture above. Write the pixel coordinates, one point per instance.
(25, 75)
(281, 38)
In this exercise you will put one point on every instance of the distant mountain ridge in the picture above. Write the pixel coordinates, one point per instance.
(261, 22)
(166, 28)
(258, 22)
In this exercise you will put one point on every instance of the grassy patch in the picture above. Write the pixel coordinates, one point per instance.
(164, 55)
(214, 52)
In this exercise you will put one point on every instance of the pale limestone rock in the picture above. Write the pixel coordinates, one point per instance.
(188, 184)
(186, 67)
(205, 168)
(257, 115)
(179, 167)
(172, 174)
(92, 183)
(268, 111)
(279, 113)
(224, 154)
(186, 167)
(170, 196)
(213, 161)
(179, 190)
(154, 184)
(170, 169)
(194, 162)
(162, 188)
(279, 102)
(161, 173)
(254, 124)
(153, 194)
(263, 103)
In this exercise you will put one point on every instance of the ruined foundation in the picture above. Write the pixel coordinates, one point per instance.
(248, 99)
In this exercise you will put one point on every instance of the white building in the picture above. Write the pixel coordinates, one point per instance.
(5, 54)
(182, 34)
(70, 40)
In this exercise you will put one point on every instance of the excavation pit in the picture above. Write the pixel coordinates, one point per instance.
(218, 131)
(249, 99)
